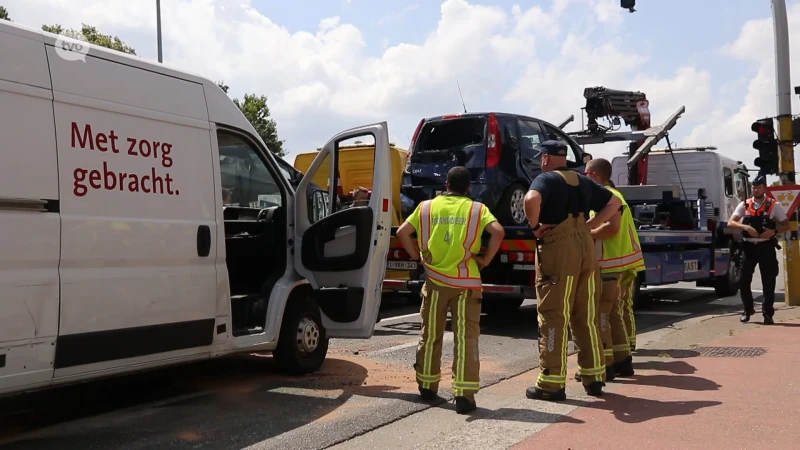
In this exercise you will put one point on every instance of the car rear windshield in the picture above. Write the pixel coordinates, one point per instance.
(450, 133)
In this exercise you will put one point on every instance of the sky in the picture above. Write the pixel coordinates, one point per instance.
(329, 65)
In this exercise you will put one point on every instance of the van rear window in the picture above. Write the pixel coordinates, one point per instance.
(451, 133)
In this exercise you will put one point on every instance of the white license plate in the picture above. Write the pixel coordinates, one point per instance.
(524, 267)
(691, 266)
(401, 265)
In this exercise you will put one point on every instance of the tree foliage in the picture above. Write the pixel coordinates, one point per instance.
(255, 108)
(4, 14)
(90, 34)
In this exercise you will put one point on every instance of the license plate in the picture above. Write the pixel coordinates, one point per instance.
(401, 265)
(691, 266)
(524, 267)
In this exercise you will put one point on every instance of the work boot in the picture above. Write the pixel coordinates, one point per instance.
(768, 320)
(746, 316)
(610, 373)
(427, 394)
(465, 405)
(577, 376)
(595, 389)
(624, 368)
(535, 393)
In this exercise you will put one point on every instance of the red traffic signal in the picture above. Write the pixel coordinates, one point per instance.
(763, 126)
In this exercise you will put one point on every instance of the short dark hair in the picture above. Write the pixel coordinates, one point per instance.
(458, 178)
(601, 167)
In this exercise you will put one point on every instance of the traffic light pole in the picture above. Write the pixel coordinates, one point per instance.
(791, 248)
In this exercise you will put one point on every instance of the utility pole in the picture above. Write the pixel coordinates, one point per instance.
(158, 29)
(791, 248)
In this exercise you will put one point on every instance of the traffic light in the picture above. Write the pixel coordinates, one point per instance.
(628, 4)
(767, 146)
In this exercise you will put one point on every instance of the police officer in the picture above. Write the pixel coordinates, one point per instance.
(760, 218)
(619, 254)
(449, 230)
(567, 276)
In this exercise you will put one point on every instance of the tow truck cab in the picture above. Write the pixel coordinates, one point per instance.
(152, 226)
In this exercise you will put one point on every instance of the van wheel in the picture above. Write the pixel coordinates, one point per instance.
(728, 285)
(638, 299)
(303, 342)
(511, 209)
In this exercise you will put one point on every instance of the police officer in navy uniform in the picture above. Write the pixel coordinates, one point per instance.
(760, 218)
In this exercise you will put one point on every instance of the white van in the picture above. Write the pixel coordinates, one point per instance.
(145, 223)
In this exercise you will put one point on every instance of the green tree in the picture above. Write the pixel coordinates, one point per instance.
(4, 14)
(255, 109)
(90, 34)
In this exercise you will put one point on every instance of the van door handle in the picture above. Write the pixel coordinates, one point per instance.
(203, 241)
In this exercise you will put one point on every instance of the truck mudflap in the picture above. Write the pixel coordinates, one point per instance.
(495, 290)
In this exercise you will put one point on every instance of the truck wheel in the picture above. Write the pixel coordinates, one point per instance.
(511, 209)
(729, 284)
(500, 306)
(303, 342)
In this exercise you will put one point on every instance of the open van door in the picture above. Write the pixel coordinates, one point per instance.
(341, 249)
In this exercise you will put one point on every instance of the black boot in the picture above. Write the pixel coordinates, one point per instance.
(465, 405)
(534, 393)
(610, 373)
(577, 376)
(768, 320)
(624, 368)
(745, 317)
(595, 389)
(427, 394)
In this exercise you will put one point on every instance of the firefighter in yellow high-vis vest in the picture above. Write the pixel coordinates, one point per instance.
(620, 259)
(449, 230)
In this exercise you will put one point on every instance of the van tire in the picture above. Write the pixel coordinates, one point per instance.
(510, 211)
(728, 285)
(303, 341)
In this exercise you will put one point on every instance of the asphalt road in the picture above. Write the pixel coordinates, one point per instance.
(243, 403)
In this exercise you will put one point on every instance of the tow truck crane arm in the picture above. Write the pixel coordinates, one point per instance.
(633, 108)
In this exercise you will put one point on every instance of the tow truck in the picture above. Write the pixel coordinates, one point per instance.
(682, 236)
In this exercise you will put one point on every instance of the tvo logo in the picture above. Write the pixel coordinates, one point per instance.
(71, 49)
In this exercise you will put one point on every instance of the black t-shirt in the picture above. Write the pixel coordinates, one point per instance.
(560, 200)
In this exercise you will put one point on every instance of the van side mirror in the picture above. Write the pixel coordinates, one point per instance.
(701, 193)
(587, 157)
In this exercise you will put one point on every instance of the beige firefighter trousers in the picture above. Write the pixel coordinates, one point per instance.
(465, 310)
(626, 302)
(612, 325)
(567, 280)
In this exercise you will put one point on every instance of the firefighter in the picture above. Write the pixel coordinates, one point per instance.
(567, 276)
(619, 254)
(760, 218)
(449, 230)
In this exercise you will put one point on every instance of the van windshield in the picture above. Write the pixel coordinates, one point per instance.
(450, 134)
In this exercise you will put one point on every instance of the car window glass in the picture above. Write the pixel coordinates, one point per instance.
(530, 134)
(728, 176)
(573, 149)
(246, 181)
(741, 185)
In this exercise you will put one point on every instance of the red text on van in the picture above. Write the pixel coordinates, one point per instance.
(151, 181)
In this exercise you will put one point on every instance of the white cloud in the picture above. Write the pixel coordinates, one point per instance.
(322, 80)
(753, 49)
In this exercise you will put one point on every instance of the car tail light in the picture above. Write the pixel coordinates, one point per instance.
(412, 143)
(494, 146)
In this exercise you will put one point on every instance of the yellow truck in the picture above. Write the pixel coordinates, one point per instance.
(356, 164)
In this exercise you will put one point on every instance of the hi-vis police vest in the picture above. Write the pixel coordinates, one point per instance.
(623, 251)
(449, 230)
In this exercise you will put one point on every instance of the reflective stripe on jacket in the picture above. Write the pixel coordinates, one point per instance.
(449, 234)
(623, 251)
